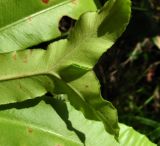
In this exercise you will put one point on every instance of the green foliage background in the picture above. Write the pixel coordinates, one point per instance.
(131, 70)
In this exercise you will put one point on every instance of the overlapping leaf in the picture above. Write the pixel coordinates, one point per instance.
(127, 136)
(39, 125)
(27, 23)
(34, 126)
(66, 66)
(57, 59)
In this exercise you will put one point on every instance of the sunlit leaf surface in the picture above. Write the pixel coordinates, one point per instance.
(66, 66)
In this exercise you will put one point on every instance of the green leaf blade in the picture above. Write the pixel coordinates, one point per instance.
(128, 136)
(82, 48)
(82, 92)
(34, 126)
(41, 26)
(18, 90)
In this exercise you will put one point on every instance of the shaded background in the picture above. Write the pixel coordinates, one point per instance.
(129, 72)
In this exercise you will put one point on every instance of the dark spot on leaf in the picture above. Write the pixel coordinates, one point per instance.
(74, 1)
(45, 1)
(20, 86)
(58, 145)
(25, 60)
(66, 23)
(29, 19)
(14, 56)
(30, 130)
(86, 86)
(30, 51)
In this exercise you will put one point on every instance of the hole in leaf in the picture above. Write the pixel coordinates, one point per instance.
(66, 23)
